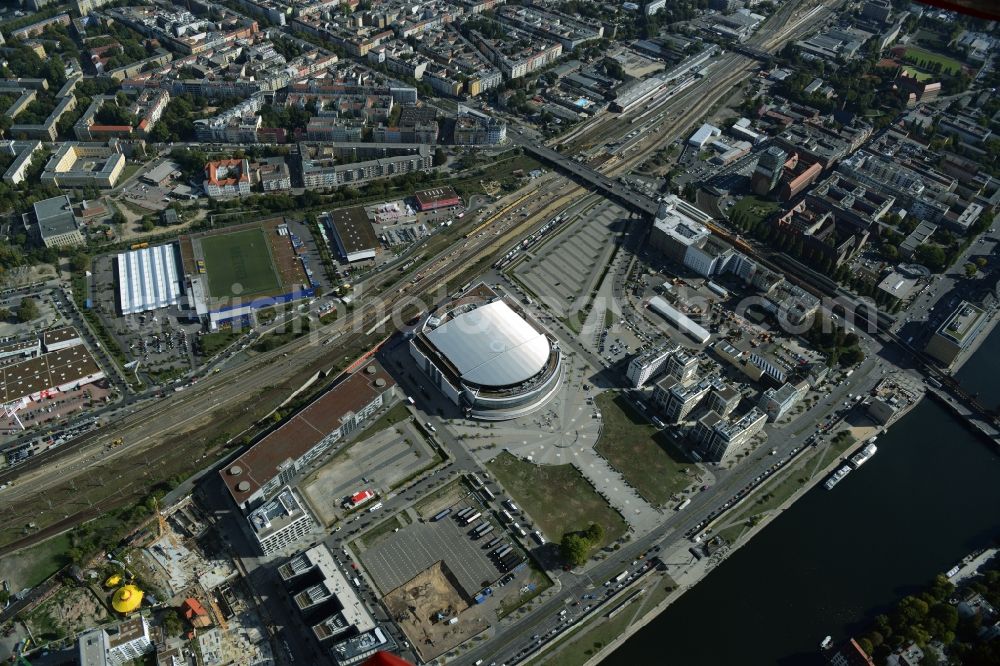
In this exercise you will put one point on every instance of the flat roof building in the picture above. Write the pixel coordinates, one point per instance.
(85, 165)
(439, 197)
(280, 522)
(352, 232)
(265, 467)
(148, 278)
(61, 370)
(957, 332)
(57, 225)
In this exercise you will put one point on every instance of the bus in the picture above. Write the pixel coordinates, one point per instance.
(683, 504)
(475, 480)
(473, 518)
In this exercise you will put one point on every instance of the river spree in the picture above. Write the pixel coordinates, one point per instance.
(836, 558)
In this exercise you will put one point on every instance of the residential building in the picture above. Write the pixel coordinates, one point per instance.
(129, 641)
(682, 365)
(227, 178)
(724, 400)
(644, 366)
(518, 53)
(274, 175)
(731, 437)
(475, 128)
(777, 402)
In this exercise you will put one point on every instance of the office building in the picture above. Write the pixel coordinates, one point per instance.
(957, 332)
(777, 402)
(644, 366)
(767, 174)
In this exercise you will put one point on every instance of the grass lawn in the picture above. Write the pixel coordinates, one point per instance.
(539, 582)
(29, 567)
(396, 413)
(918, 74)
(644, 456)
(753, 208)
(212, 343)
(534, 487)
(948, 65)
(242, 258)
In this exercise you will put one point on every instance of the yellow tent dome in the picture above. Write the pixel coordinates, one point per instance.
(127, 599)
(113, 580)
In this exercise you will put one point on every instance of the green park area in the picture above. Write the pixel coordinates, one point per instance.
(642, 454)
(534, 488)
(242, 258)
(918, 74)
(751, 211)
(927, 59)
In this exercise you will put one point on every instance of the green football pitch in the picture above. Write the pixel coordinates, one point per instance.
(239, 258)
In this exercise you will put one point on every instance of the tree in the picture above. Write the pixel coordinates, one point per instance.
(79, 262)
(28, 310)
(971, 270)
(574, 548)
(440, 157)
(4, 314)
(931, 256)
(172, 623)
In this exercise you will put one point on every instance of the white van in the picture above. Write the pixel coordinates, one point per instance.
(374, 508)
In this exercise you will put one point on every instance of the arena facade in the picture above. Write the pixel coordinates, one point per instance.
(487, 355)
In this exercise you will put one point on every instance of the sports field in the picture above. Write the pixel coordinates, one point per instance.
(239, 258)
(918, 56)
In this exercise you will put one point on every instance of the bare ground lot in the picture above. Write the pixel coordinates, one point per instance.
(415, 606)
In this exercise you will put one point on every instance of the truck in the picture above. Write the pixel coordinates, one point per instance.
(440, 515)
(537, 536)
(510, 505)
(503, 552)
(683, 504)
(488, 493)
(475, 480)
(473, 518)
(493, 542)
(621, 577)
(464, 512)
(505, 515)
(483, 530)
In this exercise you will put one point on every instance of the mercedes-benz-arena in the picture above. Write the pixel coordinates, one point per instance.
(487, 355)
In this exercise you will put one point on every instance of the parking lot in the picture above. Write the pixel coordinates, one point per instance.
(419, 546)
(162, 341)
(150, 197)
(564, 271)
(378, 463)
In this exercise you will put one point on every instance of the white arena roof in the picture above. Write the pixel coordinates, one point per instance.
(147, 279)
(492, 345)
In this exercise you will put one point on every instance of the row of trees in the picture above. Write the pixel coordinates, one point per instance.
(834, 341)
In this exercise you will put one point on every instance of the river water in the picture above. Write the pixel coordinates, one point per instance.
(836, 558)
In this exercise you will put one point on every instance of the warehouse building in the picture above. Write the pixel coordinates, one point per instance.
(148, 279)
(352, 232)
(487, 355)
(439, 197)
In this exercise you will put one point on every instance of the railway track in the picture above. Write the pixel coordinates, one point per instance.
(147, 442)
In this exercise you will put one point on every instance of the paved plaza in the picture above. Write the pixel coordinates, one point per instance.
(564, 431)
